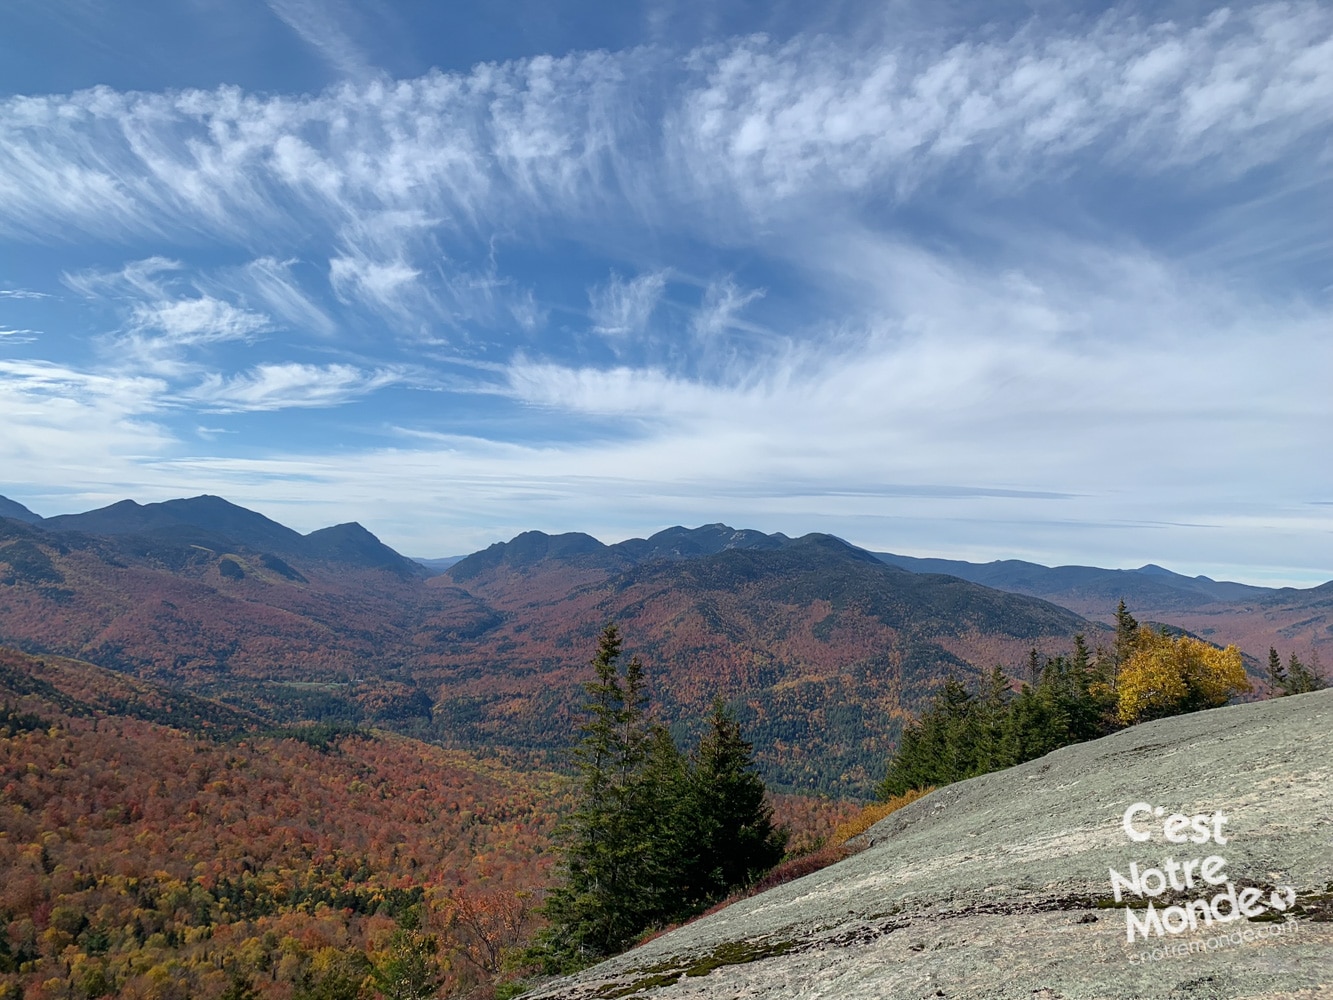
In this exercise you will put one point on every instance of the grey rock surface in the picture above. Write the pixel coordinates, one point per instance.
(1000, 886)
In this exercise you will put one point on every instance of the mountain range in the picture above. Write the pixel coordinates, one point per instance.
(822, 648)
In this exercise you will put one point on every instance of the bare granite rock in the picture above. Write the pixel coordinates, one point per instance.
(1001, 886)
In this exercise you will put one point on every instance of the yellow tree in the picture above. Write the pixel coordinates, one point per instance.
(1164, 676)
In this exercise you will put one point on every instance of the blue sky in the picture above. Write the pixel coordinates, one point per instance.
(978, 280)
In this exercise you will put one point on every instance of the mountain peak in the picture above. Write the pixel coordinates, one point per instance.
(528, 549)
(350, 542)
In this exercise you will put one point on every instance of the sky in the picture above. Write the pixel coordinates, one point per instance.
(976, 280)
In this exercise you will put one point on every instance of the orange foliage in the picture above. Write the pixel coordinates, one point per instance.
(873, 813)
(144, 855)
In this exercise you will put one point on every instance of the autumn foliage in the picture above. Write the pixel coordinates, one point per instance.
(1168, 676)
(151, 845)
(1145, 675)
(141, 860)
(873, 813)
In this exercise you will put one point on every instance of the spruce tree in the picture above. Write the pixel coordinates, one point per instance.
(733, 839)
(1277, 674)
(608, 890)
(941, 747)
(1301, 678)
(1126, 634)
(992, 708)
(671, 835)
(1036, 725)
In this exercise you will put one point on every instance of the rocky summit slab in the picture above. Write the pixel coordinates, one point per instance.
(1031, 882)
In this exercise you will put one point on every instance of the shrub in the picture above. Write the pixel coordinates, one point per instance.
(873, 813)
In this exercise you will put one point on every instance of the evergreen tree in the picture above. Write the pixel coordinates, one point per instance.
(1302, 678)
(1277, 674)
(1034, 666)
(992, 708)
(733, 839)
(940, 748)
(1036, 725)
(609, 885)
(1076, 695)
(654, 837)
(671, 834)
(1126, 634)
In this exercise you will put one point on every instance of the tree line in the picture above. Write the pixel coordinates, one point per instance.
(1295, 677)
(1146, 674)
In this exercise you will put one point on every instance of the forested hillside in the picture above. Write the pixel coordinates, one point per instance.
(158, 844)
(821, 649)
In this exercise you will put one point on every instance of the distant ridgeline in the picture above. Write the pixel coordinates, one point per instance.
(824, 650)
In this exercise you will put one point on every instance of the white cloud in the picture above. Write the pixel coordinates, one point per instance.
(722, 303)
(63, 425)
(316, 24)
(162, 321)
(272, 282)
(200, 320)
(771, 122)
(385, 285)
(622, 308)
(527, 312)
(750, 122)
(287, 385)
(144, 279)
(21, 293)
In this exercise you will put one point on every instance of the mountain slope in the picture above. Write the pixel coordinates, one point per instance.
(822, 648)
(144, 852)
(14, 509)
(210, 515)
(305, 639)
(999, 887)
(1253, 618)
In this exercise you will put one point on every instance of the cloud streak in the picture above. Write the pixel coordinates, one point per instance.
(285, 386)
(622, 308)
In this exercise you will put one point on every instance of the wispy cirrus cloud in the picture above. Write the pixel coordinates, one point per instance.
(722, 303)
(753, 122)
(62, 422)
(288, 385)
(197, 320)
(319, 25)
(770, 122)
(165, 315)
(622, 307)
(274, 284)
(384, 285)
